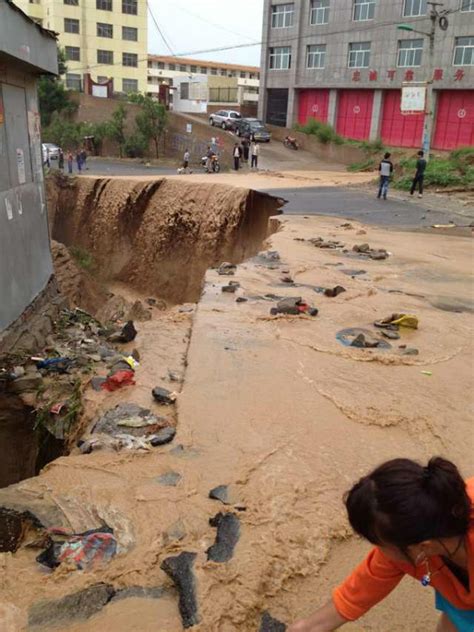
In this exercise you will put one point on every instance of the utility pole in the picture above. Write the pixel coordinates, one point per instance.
(429, 107)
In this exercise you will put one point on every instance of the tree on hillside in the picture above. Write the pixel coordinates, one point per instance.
(151, 121)
(53, 97)
(116, 127)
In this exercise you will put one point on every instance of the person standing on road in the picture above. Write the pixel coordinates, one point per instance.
(61, 160)
(245, 148)
(70, 162)
(237, 154)
(209, 157)
(386, 170)
(79, 160)
(255, 152)
(186, 158)
(419, 178)
(83, 158)
(419, 520)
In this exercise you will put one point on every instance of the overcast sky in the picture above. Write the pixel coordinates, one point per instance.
(206, 24)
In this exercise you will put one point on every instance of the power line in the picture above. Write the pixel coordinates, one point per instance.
(158, 28)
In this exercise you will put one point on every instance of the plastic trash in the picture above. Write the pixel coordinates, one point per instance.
(118, 380)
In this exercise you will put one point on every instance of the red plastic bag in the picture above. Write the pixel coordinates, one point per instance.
(121, 378)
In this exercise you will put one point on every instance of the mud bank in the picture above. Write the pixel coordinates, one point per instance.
(158, 236)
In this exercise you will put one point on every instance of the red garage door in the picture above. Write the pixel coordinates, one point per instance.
(454, 125)
(397, 129)
(354, 113)
(313, 104)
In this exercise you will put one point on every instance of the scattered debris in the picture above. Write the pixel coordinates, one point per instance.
(428, 373)
(362, 248)
(365, 342)
(241, 299)
(127, 334)
(287, 279)
(55, 365)
(188, 308)
(232, 287)
(169, 479)
(163, 396)
(398, 320)
(347, 226)
(361, 232)
(270, 255)
(226, 269)
(151, 301)
(130, 418)
(269, 624)
(353, 273)
(319, 242)
(139, 312)
(118, 380)
(411, 351)
(390, 334)
(228, 533)
(175, 376)
(162, 437)
(26, 383)
(139, 592)
(335, 291)
(366, 250)
(180, 570)
(81, 549)
(361, 338)
(293, 306)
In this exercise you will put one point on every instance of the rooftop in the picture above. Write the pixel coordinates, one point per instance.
(201, 62)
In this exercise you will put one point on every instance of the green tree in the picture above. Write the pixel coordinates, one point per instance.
(151, 121)
(116, 127)
(53, 97)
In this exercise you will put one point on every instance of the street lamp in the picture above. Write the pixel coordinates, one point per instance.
(429, 107)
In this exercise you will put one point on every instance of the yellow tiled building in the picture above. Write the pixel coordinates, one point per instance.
(103, 38)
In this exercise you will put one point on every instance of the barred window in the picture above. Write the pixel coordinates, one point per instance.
(105, 57)
(73, 82)
(130, 59)
(282, 15)
(359, 55)
(319, 12)
(316, 56)
(105, 30)
(464, 51)
(130, 85)
(364, 10)
(103, 5)
(72, 3)
(467, 5)
(71, 25)
(410, 53)
(130, 33)
(130, 7)
(280, 58)
(73, 53)
(414, 8)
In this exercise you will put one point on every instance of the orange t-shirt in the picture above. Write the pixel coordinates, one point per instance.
(378, 575)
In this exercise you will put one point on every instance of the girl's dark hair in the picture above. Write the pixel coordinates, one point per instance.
(403, 503)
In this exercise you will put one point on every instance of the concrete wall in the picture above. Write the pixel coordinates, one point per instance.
(342, 30)
(25, 257)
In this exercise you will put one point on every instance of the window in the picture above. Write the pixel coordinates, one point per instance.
(130, 33)
(71, 26)
(72, 3)
(172, 66)
(252, 75)
(359, 55)
(316, 56)
(280, 58)
(73, 82)
(223, 72)
(213, 71)
(105, 57)
(103, 5)
(413, 8)
(130, 85)
(160, 65)
(130, 7)
(467, 5)
(282, 15)
(319, 12)
(410, 53)
(182, 68)
(105, 30)
(242, 75)
(130, 59)
(184, 92)
(194, 69)
(203, 70)
(73, 53)
(464, 51)
(364, 10)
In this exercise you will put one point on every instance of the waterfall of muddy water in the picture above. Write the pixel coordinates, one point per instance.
(159, 236)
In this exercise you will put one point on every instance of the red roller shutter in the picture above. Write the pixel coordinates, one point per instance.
(313, 104)
(454, 125)
(398, 129)
(354, 113)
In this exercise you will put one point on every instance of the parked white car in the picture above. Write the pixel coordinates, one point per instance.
(50, 150)
(225, 118)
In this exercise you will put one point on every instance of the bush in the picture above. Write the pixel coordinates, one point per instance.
(453, 171)
(135, 146)
(366, 165)
(323, 131)
(83, 258)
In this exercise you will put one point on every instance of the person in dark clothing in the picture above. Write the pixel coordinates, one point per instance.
(237, 155)
(386, 170)
(419, 175)
(61, 160)
(245, 148)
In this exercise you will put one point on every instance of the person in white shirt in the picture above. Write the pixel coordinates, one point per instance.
(255, 153)
(237, 154)
(386, 170)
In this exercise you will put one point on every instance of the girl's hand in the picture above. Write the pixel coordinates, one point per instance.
(325, 619)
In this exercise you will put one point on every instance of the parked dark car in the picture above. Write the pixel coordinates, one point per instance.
(253, 128)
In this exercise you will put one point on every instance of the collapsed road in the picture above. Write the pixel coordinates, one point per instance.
(237, 523)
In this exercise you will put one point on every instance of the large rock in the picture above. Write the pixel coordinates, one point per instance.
(180, 570)
(78, 606)
(228, 534)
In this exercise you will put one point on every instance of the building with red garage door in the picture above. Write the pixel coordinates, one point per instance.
(345, 62)
(454, 125)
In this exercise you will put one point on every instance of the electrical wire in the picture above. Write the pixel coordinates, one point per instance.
(159, 29)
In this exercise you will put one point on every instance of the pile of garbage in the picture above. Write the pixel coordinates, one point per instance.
(389, 328)
(364, 250)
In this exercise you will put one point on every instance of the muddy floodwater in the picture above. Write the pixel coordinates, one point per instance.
(272, 410)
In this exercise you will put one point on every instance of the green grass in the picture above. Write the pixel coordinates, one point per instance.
(322, 131)
(454, 170)
(366, 165)
(83, 258)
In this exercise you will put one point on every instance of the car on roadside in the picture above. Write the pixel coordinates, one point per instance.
(51, 150)
(226, 119)
(254, 128)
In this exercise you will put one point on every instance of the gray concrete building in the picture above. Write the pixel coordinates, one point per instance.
(26, 51)
(345, 62)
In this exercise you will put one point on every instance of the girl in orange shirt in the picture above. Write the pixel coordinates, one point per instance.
(421, 521)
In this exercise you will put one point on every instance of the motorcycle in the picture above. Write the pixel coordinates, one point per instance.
(215, 165)
(291, 143)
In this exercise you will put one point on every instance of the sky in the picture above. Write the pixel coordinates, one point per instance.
(206, 24)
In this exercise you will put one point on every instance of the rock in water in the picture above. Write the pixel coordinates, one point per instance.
(220, 493)
(180, 570)
(269, 624)
(228, 534)
(78, 606)
(163, 396)
(163, 436)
